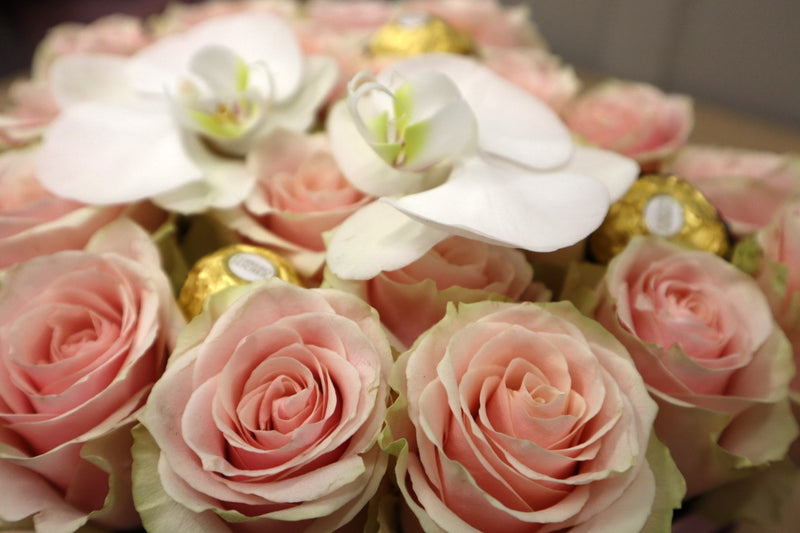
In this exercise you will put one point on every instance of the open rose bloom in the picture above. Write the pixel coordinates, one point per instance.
(299, 194)
(634, 119)
(268, 415)
(746, 186)
(83, 337)
(779, 275)
(527, 417)
(413, 298)
(702, 335)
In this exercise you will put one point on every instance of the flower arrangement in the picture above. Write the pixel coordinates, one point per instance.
(448, 354)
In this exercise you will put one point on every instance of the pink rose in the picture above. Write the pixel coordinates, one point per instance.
(33, 222)
(115, 34)
(365, 15)
(487, 22)
(300, 193)
(178, 17)
(746, 186)
(415, 297)
(703, 338)
(83, 337)
(779, 275)
(633, 119)
(268, 415)
(535, 70)
(32, 107)
(526, 417)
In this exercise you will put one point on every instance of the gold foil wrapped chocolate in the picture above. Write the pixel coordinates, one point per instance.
(418, 33)
(665, 206)
(238, 264)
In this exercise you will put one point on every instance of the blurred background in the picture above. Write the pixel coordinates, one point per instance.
(741, 56)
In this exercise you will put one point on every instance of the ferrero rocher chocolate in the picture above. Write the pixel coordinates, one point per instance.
(666, 206)
(418, 33)
(238, 264)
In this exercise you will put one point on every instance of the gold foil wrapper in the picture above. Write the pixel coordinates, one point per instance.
(666, 206)
(418, 33)
(238, 264)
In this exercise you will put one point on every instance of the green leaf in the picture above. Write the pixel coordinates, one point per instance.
(747, 256)
(582, 284)
(172, 261)
(757, 499)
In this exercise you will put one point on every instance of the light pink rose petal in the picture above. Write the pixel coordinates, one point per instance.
(237, 324)
(31, 495)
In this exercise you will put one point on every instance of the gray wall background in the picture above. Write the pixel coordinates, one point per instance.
(744, 54)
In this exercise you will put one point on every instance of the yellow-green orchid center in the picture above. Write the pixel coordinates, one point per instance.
(226, 100)
(422, 123)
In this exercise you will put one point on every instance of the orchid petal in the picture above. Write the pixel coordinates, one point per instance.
(510, 206)
(363, 167)
(104, 154)
(378, 238)
(613, 170)
(226, 182)
(299, 113)
(222, 70)
(446, 136)
(91, 77)
(512, 124)
(255, 37)
(426, 93)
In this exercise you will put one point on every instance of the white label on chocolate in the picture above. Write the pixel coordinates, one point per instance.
(664, 215)
(413, 19)
(251, 267)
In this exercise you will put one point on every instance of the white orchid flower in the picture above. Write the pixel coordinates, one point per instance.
(174, 121)
(454, 149)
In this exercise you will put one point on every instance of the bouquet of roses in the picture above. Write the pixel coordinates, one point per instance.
(444, 354)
